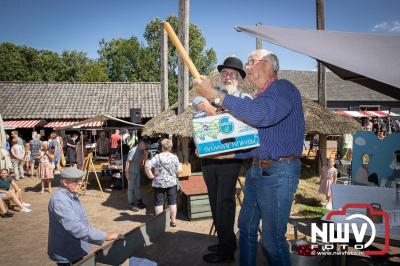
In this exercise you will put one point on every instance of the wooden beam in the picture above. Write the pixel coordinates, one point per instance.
(183, 72)
(164, 68)
(258, 40)
(320, 9)
(118, 251)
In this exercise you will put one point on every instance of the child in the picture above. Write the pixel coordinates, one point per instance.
(27, 157)
(46, 166)
(328, 177)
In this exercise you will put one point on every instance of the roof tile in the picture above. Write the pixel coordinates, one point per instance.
(62, 100)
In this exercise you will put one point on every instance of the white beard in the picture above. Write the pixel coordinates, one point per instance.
(231, 89)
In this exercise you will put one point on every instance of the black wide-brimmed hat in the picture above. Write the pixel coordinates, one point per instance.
(234, 63)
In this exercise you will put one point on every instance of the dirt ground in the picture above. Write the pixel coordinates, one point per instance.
(25, 235)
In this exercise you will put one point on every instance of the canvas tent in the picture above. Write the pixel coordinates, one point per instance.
(361, 114)
(5, 161)
(369, 60)
(98, 119)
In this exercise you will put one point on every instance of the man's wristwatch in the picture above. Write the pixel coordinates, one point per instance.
(217, 100)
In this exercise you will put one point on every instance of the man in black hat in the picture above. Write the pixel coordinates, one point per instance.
(221, 175)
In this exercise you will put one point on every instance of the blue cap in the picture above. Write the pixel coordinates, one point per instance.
(72, 173)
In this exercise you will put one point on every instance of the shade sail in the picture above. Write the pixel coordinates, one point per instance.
(57, 124)
(369, 60)
(24, 123)
(360, 114)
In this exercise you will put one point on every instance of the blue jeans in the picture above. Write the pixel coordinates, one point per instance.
(134, 187)
(268, 195)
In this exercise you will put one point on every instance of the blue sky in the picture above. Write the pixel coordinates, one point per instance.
(80, 24)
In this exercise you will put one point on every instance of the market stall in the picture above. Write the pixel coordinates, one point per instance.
(106, 165)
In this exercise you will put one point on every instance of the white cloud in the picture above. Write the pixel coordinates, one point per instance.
(392, 26)
(360, 141)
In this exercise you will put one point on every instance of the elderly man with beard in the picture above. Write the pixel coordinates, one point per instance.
(221, 175)
(272, 180)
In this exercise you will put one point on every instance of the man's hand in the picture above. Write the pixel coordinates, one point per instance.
(205, 87)
(114, 236)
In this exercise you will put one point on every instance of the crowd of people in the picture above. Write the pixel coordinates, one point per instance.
(381, 126)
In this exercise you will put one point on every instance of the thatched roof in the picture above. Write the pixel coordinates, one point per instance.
(318, 119)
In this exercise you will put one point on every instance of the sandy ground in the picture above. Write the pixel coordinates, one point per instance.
(24, 236)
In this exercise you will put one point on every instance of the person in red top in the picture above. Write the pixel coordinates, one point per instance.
(115, 139)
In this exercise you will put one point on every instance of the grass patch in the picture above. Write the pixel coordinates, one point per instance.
(306, 211)
(307, 200)
(308, 169)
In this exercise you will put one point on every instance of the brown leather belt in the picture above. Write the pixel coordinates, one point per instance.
(268, 163)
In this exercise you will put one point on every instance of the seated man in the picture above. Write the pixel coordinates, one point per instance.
(5, 193)
(3, 212)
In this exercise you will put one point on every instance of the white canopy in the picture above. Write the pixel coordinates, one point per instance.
(369, 60)
(360, 114)
(98, 118)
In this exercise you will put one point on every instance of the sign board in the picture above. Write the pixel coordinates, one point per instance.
(223, 133)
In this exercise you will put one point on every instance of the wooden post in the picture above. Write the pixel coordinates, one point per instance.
(164, 68)
(321, 69)
(320, 8)
(183, 72)
(258, 40)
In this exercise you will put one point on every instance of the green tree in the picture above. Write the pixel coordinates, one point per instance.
(51, 66)
(96, 72)
(128, 60)
(204, 59)
(12, 63)
(75, 65)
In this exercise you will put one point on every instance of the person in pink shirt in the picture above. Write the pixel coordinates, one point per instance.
(115, 139)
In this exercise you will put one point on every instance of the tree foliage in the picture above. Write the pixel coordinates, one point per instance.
(22, 63)
(127, 60)
(120, 60)
(204, 59)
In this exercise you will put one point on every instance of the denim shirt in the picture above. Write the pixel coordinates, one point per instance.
(70, 234)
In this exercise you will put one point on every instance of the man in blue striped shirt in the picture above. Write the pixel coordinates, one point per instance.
(272, 180)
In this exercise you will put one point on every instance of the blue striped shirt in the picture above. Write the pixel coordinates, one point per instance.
(278, 115)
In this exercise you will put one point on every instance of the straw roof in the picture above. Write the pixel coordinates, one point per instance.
(318, 119)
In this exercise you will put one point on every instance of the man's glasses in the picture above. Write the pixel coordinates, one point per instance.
(232, 75)
(252, 62)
